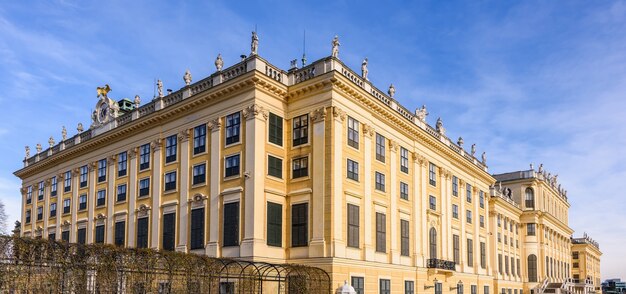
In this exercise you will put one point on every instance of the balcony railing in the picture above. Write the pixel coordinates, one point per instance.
(441, 264)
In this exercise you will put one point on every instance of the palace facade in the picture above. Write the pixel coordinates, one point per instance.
(314, 165)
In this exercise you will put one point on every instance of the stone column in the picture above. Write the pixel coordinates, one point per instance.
(419, 213)
(424, 211)
(74, 203)
(254, 177)
(111, 197)
(445, 224)
(157, 177)
(91, 200)
(46, 207)
(183, 213)
(368, 133)
(131, 222)
(212, 249)
(393, 190)
(339, 243)
(317, 246)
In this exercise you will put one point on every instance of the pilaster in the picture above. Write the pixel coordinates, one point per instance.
(339, 243)
(91, 200)
(317, 247)
(111, 195)
(393, 190)
(183, 213)
(212, 249)
(131, 222)
(368, 133)
(74, 203)
(157, 177)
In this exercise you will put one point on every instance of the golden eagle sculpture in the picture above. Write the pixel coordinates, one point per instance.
(103, 91)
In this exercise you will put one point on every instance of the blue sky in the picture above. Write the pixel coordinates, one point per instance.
(537, 81)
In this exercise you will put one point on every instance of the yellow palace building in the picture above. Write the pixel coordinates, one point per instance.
(314, 165)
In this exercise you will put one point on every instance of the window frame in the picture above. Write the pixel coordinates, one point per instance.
(82, 202)
(303, 170)
(275, 129)
(353, 223)
(102, 170)
(171, 148)
(274, 169)
(230, 169)
(122, 164)
(274, 224)
(196, 228)
(230, 224)
(144, 191)
(300, 224)
(404, 160)
(198, 178)
(352, 170)
(380, 181)
(67, 201)
(119, 193)
(101, 196)
(353, 132)
(232, 128)
(144, 156)
(199, 139)
(381, 232)
(432, 174)
(300, 130)
(405, 244)
(380, 147)
(170, 181)
(83, 177)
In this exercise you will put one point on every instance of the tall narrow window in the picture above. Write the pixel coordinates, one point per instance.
(28, 216)
(233, 123)
(353, 226)
(468, 215)
(380, 148)
(40, 191)
(122, 164)
(299, 224)
(275, 129)
(530, 229)
(455, 186)
(530, 198)
(274, 224)
(231, 165)
(380, 181)
(65, 236)
(512, 266)
(404, 191)
(409, 287)
(29, 194)
(231, 224)
(53, 186)
(456, 249)
(482, 221)
(120, 233)
(506, 265)
(353, 132)
(67, 181)
(353, 170)
(300, 130)
(432, 240)
(199, 139)
(486, 290)
(142, 232)
(384, 286)
(169, 231)
(381, 232)
(432, 174)
(274, 166)
(170, 181)
(121, 193)
(144, 187)
(404, 237)
(83, 176)
(171, 148)
(468, 192)
(500, 263)
(433, 202)
(358, 283)
(102, 170)
(101, 197)
(66, 206)
(483, 255)
(470, 252)
(53, 209)
(197, 229)
(99, 238)
(144, 156)
(404, 160)
(481, 199)
(455, 211)
(199, 174)
(81, 236)
(82, 202)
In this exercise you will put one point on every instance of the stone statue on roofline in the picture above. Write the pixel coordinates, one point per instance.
(219, 62)
(540, 168)
(391, 91)
(27, 149)
(473, 149)
(137, 101)
(421, 113)
(80, 128)
(336, 44)
(51, 142)
(160, 88)
(484, 157)
(38, 147)
(439, 126)
(460, 142)
(254, 46)
(364, 70)
(187, 77)
(63, 134)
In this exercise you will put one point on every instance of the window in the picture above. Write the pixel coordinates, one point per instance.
(299, 224)
(144, 156)
(53, 209)
(500, 263)
(358, 283)
(470, 252)
(40, 191)
(65, 236)
(83, 176)
(404, 160)
(233, 122)
(532, 268)
(169, 231)
(121, 193)
(473, 289)
(353, 226)
(120, 233)
(530, 229)
(519, 273)
(433, 202)
(81, 236)
(197, 229)
(404, 191)
(499, 237)
(142, 232)
(455, 186)
(66, 206)
(99, 238)
(483, 255)
(575, 265)
(456, 251)
(102, 170)
(432, 240)
(380, 182)
(468, 192)
(512, 266)
(404, 237)
(82, 202)
(199, 174)
(275, 129)
(53, 187)
(468, 215)
(353, 170)
(438, 288)
(459, 288)
(101, 197)
(300, 167)
(39, 213)
(67, 181)
(27, 216)
(384, 286)
(353, 132)
(52, 236)
(29, 195)
(381, 232)
(455, 211)
(575, 255)
(486, 290)
(380, 148)
(122, 164)
(144, 187)
(300, 130)
(529, 198)
(199, 139)
(171, 144)
(231, 224)
(231, 164)
(274, 166)
(482, 221)
(481, 199)
(170, 181)
(409, 287)
(274, 223)
(432, 174)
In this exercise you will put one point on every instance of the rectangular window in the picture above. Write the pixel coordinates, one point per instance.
(483, 255)
(404, 191)
(499, 237)
(101, 197)
(486, 290)
(171, 148)
(170, 181)
(300, 130)
(122, 164)
(299, 224)
(300, 167)
(404, 237)
(274, 223)
(353, 226)
(144, 187)
(53, 186)
(432, 174)
(121, 193)
(455, 186)
(455, 211)
(231, 224)
(53, 209)
(233, 122)
(353, 170)
(473, 289)
(275, 129)
(575, 255)
(65, 236)
(381, 232)
(512, 266)
(52, 236)
(40, 191)
(199, 139)
(274, 166)
(481, 199)
(169, 231)
(380, 182)
(482, 221)
(468, 192)
(102, 170)
(199, 174)
(28, 216)
(468, 214)
(66, 206)
(438, 288)
(380, 148)
(99, 238)
(142, 232)
(470, 252)
(39, 213)
(384, 286)
(120, 233)
(29, 195)
(144, 156)
(358, 283)
(83, 176)
(67, 181)
(404, 160)
(530, 229)
(433, 202)
(81, 236)
(519, 273)
(506, 265)
(353, 132)
(456, 249)
(82, 202)
(409, 287)
(231, 165)
(197, 229)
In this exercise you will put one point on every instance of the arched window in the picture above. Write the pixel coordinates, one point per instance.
(433, 243)
(530, 198)
(532, 268)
